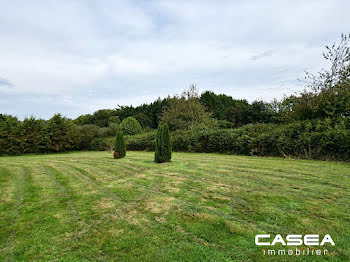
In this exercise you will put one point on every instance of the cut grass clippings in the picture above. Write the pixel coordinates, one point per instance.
(87, 206)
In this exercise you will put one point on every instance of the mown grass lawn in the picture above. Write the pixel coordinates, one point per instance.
(86, 206)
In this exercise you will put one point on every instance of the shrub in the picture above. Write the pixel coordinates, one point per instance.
(130, 126)
(114, 120)
(101, 144)
(145, 141)
(186, 112)
(10, 135)
(119, 147)
(86, 134)
(62, 134)
(144, 120)
(225, 124)
(107, 131)
(163, 145)
(32, 131)
(101, 117)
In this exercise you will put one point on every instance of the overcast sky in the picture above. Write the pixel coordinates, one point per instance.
(75, 57)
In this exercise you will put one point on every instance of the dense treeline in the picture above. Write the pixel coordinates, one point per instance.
(37, 136)
(148, 115)
(311, 124)
(238, 112)
(228, 111)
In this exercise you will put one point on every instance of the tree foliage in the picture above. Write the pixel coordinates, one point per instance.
(32, 135)
(35, 136)
(84, 120)
(186, 112)
(327, 93)
(62, 134)
(130, 126)
(243, 113)
(10, 135)
(87, 134)
(144, 120)
(101, 117)
(218, 103)
(114, 120)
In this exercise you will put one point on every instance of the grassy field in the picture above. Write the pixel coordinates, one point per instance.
(86, 206)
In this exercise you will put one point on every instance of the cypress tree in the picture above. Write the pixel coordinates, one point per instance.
(119, 147)
(163, 144)
(167, 143)
(157, 155)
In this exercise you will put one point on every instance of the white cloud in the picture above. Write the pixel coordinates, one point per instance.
(78, 56)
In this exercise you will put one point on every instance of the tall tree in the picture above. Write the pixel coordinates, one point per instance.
(114, 120)
(102, 117)
(10, 135)
(217, 104)
(32, 130)
(62, 134)
(327, 93)
(144, 120)
(84, 120)
(186, 112)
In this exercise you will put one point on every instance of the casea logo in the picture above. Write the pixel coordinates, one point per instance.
(294, 240)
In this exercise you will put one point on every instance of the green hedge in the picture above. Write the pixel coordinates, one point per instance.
(145, 141)
(102, 143)
(312, 139)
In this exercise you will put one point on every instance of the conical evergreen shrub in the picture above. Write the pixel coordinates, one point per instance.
(163, 144)
(119, 147)
(158, 158)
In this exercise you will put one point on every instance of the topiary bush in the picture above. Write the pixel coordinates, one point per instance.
(119, 147)
(163, 145)
(130, 126)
